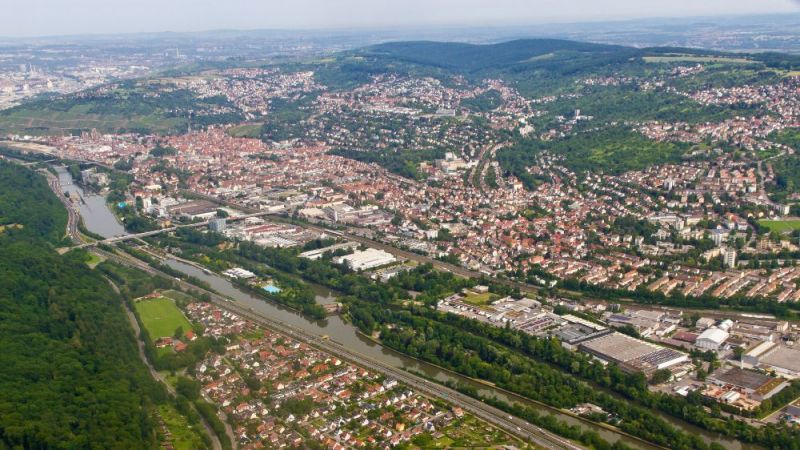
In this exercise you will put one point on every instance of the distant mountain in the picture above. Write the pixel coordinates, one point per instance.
(472, 58)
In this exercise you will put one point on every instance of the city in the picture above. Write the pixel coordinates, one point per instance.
(342, 240)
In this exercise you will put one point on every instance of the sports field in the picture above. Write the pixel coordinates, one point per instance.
(161, 317)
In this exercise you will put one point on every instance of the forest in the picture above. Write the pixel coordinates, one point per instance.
(71, 373)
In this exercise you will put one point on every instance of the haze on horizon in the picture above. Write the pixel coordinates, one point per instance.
(29, 18)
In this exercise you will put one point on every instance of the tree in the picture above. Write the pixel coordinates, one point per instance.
(188, 388)
(660, 376)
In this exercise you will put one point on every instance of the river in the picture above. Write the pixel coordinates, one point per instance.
(99, 219)
(93, 208)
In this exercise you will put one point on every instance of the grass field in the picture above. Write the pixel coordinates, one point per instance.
(94, 260)
(478, 299)
(248, 131)
(161, 317)
(184, 436)
(781, 226)
(697, 59)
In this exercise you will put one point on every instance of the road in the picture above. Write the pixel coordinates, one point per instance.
(512, 425)
(73, 217)
(128, 237)
(215, 443)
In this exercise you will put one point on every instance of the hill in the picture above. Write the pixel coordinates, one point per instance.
(528, 53)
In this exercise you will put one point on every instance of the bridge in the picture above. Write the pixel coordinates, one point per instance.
(128, 237)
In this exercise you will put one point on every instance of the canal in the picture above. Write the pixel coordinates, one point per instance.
(99, 219)
(93, 208)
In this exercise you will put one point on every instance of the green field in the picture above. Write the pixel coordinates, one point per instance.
(161, 317)
(697, 59)
(478, 299)
(247, 130)
(183, 435)
(781, 226)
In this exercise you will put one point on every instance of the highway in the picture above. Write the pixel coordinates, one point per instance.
(512, 425)
(73, 217)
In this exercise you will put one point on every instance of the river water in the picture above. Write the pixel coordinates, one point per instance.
(99, 219)
(93, 208)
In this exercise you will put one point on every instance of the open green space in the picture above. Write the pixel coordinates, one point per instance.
(781, 226)
(246, 130)
(478, 299)
(183, 435)
(161, 317)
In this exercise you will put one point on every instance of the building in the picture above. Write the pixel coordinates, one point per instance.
(631, 354)
(756, 385)
(711, 339)
(93, 177)
(752, 355)
(367, 259)
(782, 360)
(794, 408)
(194, 210)
(320, 252)
(729, 258)
(238, 272)
(217, 225)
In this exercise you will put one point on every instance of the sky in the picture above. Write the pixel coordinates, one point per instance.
(23, 18)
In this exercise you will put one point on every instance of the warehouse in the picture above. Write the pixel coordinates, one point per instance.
(711, 339)
(756, 385)
(367, 259)
(631, 354)
(783, 360)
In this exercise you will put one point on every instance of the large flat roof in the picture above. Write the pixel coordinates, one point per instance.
(783, 357)
(743, 378)
(619, 347)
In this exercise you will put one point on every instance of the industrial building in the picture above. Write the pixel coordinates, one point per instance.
(318, 253)
(367, 259)
(711, 339)
(771, 356)
(631, 354)
(193, 210)
(757, 386)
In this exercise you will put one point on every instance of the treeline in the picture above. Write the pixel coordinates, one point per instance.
(201, 247)
(612, 150)
(543, 370)
(71, 375)
(538, 368)
(27, 206)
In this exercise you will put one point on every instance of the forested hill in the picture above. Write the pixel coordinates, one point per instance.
(71, 376)
(472, 57)
(28, 207)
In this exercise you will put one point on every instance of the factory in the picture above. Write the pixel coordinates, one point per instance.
(631, 354)
(711, 339)
(770, 356)
(367, 259)
(754, 385)
(320, 252)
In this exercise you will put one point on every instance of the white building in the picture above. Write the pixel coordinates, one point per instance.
(730, 258)
(711, 339)
(367, 259)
